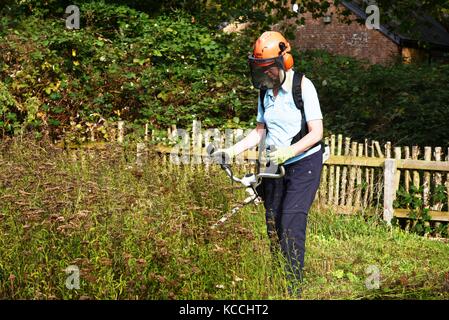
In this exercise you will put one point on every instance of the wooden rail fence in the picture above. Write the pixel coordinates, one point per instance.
(357, 176)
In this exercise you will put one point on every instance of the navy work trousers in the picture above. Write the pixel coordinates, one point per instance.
(287, 202)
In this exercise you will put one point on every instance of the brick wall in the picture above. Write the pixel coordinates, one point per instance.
(353, 40)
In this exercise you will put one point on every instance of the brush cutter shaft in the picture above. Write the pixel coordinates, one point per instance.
(273, 175)
(250, 181)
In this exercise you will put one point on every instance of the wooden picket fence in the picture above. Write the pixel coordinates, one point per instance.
(358, 176)
(364, 175)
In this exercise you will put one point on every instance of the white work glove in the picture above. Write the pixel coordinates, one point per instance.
(224, 155)
(281, 155)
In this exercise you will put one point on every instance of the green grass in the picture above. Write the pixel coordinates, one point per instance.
(144, 234)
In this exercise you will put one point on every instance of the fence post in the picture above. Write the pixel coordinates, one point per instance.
(344, 174)
(196, 147)
(377, 145)
(437, 179)
(367, 181)
(388, 149)
(352, 176)
(337, 171)
(323, 182)
(397, 177)
(371, 175)
(358, 196)
(331, 185)
(146, 133)
(426, 180)
(141, 153)
(238, 135)
(121, 131)
(92, 134)
(447, 187)
(153, 135)
(389, 189)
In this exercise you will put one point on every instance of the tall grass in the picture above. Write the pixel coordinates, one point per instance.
(144, 233)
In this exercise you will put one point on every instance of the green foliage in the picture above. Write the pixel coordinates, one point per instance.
(164, 70)
(419, 214)
(405, 104)
(214, 14)
(8, 105)
(261, 12)
(169, 69)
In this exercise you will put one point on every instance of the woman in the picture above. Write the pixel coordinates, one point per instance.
(287, 200)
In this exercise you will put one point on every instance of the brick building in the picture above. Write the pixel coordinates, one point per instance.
(376, 45)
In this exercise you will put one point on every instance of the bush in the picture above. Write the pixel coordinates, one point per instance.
(163, 71)
(124, 64)
(405, 104)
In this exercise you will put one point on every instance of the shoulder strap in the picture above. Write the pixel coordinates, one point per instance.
(297, 90)
(262, 98)
(262, 144)
(297, 97)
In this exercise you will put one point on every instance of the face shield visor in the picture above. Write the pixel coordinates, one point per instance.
(267, 73)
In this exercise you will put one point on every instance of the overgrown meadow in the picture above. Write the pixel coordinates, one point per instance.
(144, 233)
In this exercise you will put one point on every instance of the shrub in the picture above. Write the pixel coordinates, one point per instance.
(169, 69)
(405, 104)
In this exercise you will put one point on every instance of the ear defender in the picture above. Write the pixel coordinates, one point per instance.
(286, 55)
(288, 61)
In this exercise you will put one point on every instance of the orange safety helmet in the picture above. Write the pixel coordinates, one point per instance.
(270, 45)
(270, 60)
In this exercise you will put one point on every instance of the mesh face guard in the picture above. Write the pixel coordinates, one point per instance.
(267, 73)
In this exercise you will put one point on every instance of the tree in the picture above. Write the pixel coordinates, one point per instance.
(402, 15)
(262, 13)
